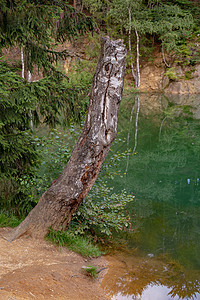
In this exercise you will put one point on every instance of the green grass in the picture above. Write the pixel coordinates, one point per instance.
(8, 219)
(91, 271)
(76, 243)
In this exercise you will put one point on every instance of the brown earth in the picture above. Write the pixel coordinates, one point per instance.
(36, 269)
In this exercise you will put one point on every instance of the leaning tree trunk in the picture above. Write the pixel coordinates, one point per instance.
(57, 205)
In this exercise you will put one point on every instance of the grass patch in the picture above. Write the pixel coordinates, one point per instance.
(78, 244)
(91, 271)
(8, 219)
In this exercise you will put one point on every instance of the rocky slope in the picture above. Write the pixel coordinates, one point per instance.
(155, 77)
(180, 80)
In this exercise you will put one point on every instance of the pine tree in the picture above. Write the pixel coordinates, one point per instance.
(17, 151)
(36, 27)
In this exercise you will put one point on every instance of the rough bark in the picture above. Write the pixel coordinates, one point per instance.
(57, 205)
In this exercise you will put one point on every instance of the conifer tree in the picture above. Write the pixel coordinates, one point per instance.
(17, 151)
(36, 27)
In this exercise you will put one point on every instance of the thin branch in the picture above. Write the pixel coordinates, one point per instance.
(163, 55)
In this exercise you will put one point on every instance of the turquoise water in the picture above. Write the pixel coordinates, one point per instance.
(162, 169)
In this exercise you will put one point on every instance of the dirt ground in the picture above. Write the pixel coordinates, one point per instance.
(36, 269)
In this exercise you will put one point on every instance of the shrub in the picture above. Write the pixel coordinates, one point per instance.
(171, 74)
(102, 212)
(54, 154)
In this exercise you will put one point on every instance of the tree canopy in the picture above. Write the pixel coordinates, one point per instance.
(38, 26)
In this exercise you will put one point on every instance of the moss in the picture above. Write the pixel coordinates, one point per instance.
(171, 74)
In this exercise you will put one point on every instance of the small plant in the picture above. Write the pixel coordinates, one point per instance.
(188, 74)
(90, 271)
(171, 74)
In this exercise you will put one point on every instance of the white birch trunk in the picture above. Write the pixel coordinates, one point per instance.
(137, 59)
(29, 76)
(129, 43)
(161, 126)
(22, 61)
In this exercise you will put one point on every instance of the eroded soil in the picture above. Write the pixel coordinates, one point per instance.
(36, 269)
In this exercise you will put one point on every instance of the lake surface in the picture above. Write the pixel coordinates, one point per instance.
(161, 137)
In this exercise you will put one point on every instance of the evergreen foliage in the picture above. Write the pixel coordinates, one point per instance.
(172, 24)
(18, 155)
(168, 23)
(39, 25)
(36, 27)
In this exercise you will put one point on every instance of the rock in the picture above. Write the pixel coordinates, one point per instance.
(153, 78)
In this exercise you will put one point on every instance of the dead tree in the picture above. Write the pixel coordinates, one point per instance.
(57, 205)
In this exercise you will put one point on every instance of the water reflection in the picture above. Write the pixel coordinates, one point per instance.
(157, 292)
(135, 277)
(153, 292)
(136, 106)
(164, 176)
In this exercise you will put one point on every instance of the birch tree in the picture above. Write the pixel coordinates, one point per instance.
(128, 14)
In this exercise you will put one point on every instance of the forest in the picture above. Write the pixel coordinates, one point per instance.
(40, 119)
